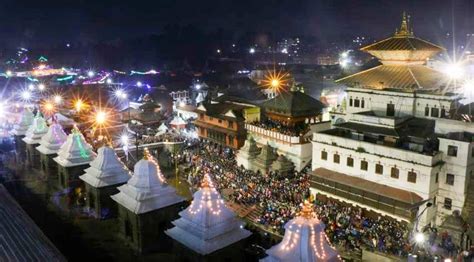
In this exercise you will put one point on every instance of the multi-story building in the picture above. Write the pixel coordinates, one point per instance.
(287, 124)
(224, 122)
(398, 145)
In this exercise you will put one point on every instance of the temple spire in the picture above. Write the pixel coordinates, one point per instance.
(404, 27)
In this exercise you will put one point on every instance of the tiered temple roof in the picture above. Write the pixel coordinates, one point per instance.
(147, 189)
(36, 131)
(75, 151)
(26, 120)
(207, 224)
(304, 241)
(177, 122)
(293, 104)
(106, 169)
(53, 140)
(403, 57)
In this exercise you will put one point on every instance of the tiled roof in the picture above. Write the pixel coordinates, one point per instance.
(366, 185)
(405, 77)
(294, 104)
(21, 239)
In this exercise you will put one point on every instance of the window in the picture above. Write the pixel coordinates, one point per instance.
(436, 178)
(350, 161)
(443, 112)
(201, 115)
(434, 112)
(362, 104)
(231, 124)
(395, 172)
(379, 169)
(448, 203)
(434, 201)
(336, 158)
(427, 111)
(390, 109)
(324, 155)
(350, 101)
(452, 151)
(211, 118)
(356, 102)
(411, 177)
(219, 121)
(450, 179)
(364, 165)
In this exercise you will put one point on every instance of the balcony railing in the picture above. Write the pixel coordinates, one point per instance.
(275, 135)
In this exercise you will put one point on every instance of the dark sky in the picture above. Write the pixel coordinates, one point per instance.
(30, 21)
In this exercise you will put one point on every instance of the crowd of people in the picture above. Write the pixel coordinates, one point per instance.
(298, 129)
(278, 200)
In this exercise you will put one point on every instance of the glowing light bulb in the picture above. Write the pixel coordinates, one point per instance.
(41, 87)
(419, 237)
(26, 95)
(252, 50)
(454, 71)
(101, 117)
(139, 84)
(57, 99)
(109, 81)
(90, 74)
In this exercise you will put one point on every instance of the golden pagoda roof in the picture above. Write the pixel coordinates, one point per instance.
(403, 46)
(409, 77)
(403, 58)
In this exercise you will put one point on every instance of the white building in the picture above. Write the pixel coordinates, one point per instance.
(398, 145)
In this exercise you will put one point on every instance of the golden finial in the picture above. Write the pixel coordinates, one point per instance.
(146, 154)
(307, 210)
(404, 29)
(205, 182)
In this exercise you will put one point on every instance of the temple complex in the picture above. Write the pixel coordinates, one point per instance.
(398, 148)
(287, 123)
(73, 157)
(304, 241)
(33, 137)
(49, 146)
(207, 226)
(105, 173)
(146, 205)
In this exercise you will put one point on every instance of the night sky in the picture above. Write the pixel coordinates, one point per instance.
(30, 21)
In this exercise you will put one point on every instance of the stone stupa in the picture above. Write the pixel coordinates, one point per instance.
(101, 179)
(33, 137)
(49, 146)
(73, 157)
(146, 205)
(282, 165)
(248, 153)
(304, 241)
(208, 227)
(264, 160)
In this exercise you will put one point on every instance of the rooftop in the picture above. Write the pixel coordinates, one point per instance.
(21, 239)
(294, 104)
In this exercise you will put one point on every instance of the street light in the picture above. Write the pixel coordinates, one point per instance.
(454, 70)
(57, 99)
(419, 237)
(26, 95)
(101, 117)
(78, 105)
